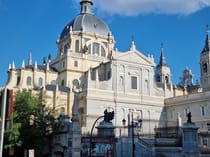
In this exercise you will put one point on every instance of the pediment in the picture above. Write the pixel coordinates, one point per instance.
(135, 57)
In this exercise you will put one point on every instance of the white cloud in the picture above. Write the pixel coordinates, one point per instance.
(137, 7)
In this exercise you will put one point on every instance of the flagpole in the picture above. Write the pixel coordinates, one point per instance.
(3, 106)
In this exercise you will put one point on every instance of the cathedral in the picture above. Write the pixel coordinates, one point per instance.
(106, 78)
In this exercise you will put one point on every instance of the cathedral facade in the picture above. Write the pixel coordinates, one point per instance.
(124, 82)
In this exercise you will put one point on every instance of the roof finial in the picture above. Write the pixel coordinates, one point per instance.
(207, 42)
(10, 67)
(132, 38)
(207, 31)
(30, 59)
(13, 65)
(35, 65)
(133, 46)
(162, 48)
(44, 60)
(23, 64)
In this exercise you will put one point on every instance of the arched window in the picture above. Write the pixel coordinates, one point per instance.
(28, 81)
(96, 49)
(62, 83)
(18, 80)
(158, 78)
(77, 46)
(62, 110)
(205, 68)
(89, 49)
(103, 52)
(40, 82)
(146, 87)
(121, 83)
(65, 48)
(166, 79)
(75, 63)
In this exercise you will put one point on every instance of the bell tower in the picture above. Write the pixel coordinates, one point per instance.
(163, 74)
(205, 63)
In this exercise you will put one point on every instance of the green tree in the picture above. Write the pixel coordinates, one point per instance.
(32, 122)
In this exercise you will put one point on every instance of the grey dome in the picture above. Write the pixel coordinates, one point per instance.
(87, 23)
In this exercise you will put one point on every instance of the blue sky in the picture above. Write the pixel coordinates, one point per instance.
(28, 25)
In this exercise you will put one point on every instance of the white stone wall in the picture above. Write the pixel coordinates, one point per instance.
(198, 104)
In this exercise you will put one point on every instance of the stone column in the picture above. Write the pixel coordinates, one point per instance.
(76, 130)
(106, 129)
(190, 140)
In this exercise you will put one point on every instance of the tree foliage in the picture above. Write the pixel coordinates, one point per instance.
(32, 122)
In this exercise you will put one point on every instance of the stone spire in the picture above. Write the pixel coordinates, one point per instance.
(75, 107)
(86, 6)
(207, 42)
(10, 66)
(163, 74)
(35, 65)
(23, 64)
(162, 61)
(30, 59)
(13, 65)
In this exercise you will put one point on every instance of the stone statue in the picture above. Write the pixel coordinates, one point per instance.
(108, 116)
(85, 49)
(189, 116)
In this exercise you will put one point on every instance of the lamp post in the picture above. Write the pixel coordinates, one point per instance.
(3, 104)
(123, 121)
(139, 123)
(91, 134)
(133, 144)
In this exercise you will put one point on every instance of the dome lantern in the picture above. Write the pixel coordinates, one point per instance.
(86, 22)
(86, 6)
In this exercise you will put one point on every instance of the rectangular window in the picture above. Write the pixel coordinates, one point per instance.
(133, 82)
(63, 64)
(172, 115)
(202, 111)
(77, 46)
(204, 141)
(18, 80)
(75, 63)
